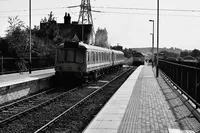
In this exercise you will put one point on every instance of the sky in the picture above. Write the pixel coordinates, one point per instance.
(127, 25)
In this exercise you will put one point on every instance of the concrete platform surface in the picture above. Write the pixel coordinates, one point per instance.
(15, 78)
(141, 106)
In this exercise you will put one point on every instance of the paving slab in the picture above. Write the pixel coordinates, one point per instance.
(144, 104)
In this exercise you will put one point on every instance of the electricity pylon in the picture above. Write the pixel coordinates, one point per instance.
(85, 16)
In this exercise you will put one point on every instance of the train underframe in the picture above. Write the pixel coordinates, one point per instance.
(138, 63)
(82, 77)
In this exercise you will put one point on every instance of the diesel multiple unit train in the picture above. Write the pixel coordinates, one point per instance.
(138, 59)
(82, 61)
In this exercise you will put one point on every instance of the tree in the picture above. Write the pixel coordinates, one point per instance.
(49, 30)
(195, 53)
(4, 47)
(128, 52)
(18, 37)
(118, 47)
(15, 23)
(184, 53)
(101, 38)
(167, 54)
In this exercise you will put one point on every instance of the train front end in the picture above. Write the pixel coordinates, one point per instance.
(70, 60)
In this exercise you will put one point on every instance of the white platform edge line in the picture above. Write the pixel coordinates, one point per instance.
(136, 72)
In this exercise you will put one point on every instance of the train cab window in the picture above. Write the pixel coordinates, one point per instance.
(61, 56)
(79, 57)
(69, 54)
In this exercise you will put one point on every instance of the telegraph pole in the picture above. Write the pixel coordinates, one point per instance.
(30, 63)
(157, 62)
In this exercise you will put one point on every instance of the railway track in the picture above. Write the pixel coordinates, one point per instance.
(54, 124)
(47, 112)
(19, 108)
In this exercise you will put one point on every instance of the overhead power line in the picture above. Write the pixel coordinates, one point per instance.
(37, 9)
(102, 7)
(115, 12)
(149, 9)
(129, 13)
(110, 12)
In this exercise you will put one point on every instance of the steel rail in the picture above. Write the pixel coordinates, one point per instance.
(43, 128)
(6, 120)
(24, 99)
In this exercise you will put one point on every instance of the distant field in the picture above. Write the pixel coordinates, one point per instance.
(128, 61)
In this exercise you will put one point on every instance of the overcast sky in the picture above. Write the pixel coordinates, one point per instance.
(128, 27)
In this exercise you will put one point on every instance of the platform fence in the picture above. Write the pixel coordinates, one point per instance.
(14, 65)
(186, 76)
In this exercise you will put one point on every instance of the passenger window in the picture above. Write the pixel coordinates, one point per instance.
(96, 57)
(93, 57)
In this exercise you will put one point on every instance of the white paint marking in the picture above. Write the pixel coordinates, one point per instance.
(180, 131)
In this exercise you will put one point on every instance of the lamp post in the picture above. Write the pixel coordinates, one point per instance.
(30, 64)
(152, 41)
(157, 64)
(152, 50)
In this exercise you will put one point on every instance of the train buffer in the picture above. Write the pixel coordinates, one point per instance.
(144, 104)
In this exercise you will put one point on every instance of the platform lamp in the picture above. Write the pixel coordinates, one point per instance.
(30, 62)
(152, 41)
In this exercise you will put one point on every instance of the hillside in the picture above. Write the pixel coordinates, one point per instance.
(147, 50)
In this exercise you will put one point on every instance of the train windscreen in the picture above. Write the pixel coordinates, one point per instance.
(69, 56)
(79, 56)
(74, 56)
(61, 56)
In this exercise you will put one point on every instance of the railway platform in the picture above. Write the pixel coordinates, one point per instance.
(144, 104)
(16, 85)
(15, 78)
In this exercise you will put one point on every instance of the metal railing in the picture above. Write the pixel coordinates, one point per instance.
(186, 77)
(15, 65)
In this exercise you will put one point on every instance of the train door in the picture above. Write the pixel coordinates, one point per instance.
(113, 58)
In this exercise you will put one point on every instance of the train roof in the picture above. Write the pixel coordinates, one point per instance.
(116, 51)
(86, 46)
(83, 45)
(138, 53)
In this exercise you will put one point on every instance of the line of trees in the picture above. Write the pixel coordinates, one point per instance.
(43, 42)
(16, 41)
(194, 53)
